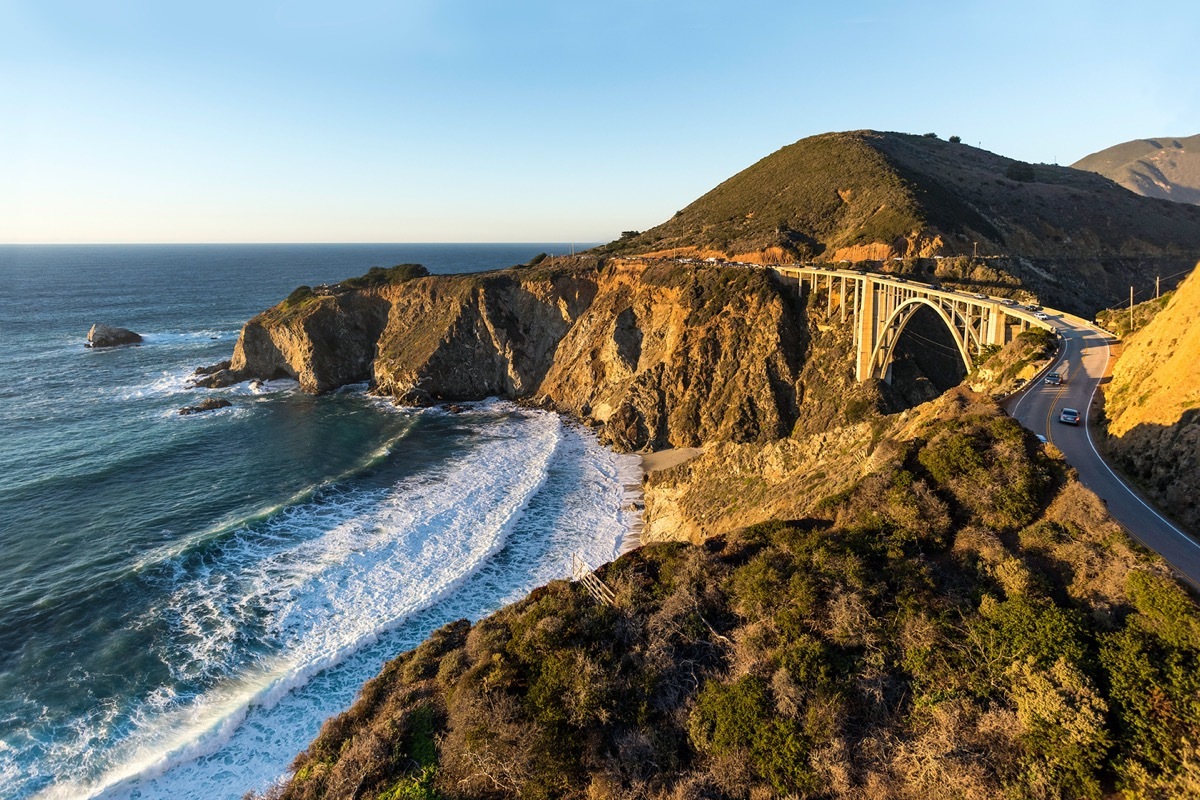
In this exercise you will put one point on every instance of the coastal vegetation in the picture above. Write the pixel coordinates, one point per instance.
(964, 621)
(1122, 323)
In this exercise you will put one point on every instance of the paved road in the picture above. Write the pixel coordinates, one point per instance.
(1083, 362)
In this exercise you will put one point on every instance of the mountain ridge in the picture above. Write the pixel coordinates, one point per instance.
(1164, 167)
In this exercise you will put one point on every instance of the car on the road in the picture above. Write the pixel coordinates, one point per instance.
(1053, 379)
(1070, 416)
(1007, 302)
(979, 296)
(1042, 439)
(1042, 315)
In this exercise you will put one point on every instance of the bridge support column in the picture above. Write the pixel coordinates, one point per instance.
(868, 329)
(997, 327)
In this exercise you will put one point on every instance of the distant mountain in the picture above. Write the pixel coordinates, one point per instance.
(1166, 168)
(1072, 237)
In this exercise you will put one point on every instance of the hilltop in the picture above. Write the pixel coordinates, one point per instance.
(1071, 237)
(1153, 405)
(1167, 167)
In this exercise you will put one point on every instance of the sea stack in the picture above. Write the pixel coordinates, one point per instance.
(107, 336)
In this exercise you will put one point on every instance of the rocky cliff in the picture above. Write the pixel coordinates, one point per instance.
(652, 354)
(1153, 405)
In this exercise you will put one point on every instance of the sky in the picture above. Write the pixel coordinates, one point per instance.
(558, 121)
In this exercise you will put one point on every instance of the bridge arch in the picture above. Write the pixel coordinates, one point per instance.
(893, 327)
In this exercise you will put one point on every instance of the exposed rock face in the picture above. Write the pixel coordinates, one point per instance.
(211, 404)
(671, 356)
(466, 337)
(323, 342)
(654, 355)
(108, 336)
(1153, 405)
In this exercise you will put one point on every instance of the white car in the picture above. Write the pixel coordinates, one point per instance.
(1041, 315)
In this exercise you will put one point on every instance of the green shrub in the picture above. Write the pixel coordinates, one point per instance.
(740, 719)
(379, 276)
(299, 295)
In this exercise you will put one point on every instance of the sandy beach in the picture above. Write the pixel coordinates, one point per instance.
(665, 459)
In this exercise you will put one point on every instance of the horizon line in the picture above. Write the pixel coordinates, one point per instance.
(193, 244)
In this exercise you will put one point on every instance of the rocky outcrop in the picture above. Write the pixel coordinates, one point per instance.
(211, 404)
(678, 356)
(466, 337)
(322, 341)
(109, 336)
(1153, 406)
(652, 354)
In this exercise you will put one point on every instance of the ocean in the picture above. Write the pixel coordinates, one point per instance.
(186, 598)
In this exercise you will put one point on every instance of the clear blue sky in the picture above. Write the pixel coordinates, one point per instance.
(424, 121)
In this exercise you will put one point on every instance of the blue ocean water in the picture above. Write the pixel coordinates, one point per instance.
(186, 599)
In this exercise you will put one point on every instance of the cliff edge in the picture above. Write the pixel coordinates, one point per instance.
(652, 355)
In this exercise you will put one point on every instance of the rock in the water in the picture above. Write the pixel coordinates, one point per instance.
(107, 336)
(213, 368)
(211, 404)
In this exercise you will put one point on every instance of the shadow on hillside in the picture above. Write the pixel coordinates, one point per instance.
(1164, 461)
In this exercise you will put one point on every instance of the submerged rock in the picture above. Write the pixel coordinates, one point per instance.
(211, 404)
(108, 336)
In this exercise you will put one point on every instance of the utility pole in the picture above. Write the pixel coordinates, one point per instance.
(976, 249)
(1131, 309)
(1157, 278)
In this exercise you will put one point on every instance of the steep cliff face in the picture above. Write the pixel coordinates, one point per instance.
(654, 355)
(1153, 405)
(467, 337)
(676, 356)
(323, 342)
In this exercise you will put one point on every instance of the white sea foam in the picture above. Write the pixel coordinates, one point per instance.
(187, 337)
(328, 584)
(160, 384)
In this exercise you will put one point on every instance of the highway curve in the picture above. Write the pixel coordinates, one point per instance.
(1083, 361)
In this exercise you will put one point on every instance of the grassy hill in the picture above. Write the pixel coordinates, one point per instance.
(1167, 168)
(1071, 237)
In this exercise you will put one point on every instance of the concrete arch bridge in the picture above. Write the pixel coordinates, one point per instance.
(880, 306)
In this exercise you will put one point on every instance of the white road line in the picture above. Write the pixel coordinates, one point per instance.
(1087, 429)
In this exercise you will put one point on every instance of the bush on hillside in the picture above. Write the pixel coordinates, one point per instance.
(379, 276)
